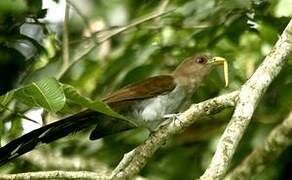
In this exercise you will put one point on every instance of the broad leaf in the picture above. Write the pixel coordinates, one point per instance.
(46, 93)
(72, 94)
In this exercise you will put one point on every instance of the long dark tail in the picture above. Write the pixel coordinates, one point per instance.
(59, 129)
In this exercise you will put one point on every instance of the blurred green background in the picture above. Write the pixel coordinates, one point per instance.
(243, 31)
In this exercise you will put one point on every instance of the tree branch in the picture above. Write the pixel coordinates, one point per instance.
(135, 160)
(277, 141)
(54, 175)
(249, 96)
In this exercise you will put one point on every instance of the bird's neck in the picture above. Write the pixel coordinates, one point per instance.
(186, 84)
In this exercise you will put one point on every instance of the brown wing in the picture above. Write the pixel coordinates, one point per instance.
(151, 87)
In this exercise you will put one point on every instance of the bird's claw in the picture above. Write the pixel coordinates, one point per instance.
(174, 118)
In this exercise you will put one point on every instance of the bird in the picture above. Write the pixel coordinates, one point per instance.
(145, 104)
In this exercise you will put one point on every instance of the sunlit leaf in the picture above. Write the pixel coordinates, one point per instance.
(96, 105)
(46, 93)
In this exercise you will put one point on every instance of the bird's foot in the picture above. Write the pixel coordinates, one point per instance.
(174, 118)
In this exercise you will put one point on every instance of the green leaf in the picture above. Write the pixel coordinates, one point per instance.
(72, 94)
(46, 93)
(5, 99)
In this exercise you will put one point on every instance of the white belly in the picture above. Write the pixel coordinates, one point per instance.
(150, 113)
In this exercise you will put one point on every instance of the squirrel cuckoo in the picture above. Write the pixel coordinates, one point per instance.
(144, 104)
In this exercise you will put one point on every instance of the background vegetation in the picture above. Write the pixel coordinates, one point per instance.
(32, 49)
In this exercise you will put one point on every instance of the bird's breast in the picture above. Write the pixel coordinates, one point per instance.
(150, 113)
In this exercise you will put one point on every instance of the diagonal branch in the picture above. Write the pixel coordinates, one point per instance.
(277, 141)
(134, 161)
(88, 47)
(249, 96)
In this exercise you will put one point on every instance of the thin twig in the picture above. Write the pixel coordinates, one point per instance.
(162, 6)
(81, 15)
(249, 96)
(113, 33)
(66, 55)
(18, 114)
(136, 23)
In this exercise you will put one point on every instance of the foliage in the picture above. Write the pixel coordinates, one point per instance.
(241, 31)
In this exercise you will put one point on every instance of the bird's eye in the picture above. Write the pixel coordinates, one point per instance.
(202, 60)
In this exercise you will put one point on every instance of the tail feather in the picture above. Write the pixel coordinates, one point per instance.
(47, 134)
(110, 126)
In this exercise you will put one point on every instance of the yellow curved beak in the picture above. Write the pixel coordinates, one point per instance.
(221, 60)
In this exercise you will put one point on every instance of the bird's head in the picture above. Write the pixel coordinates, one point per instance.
(194, 69)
